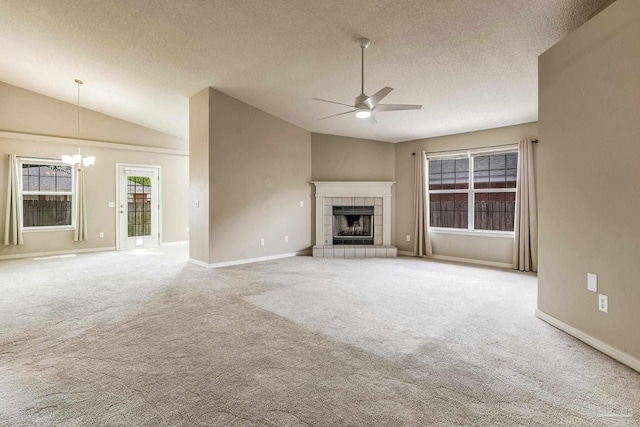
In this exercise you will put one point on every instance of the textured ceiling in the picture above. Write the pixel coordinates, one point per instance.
(471, 63)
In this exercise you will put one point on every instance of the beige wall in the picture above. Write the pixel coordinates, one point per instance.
(492, 249)
(589, 181)
(340, 158)
(259, 172)
(24, 112)
(100, 190)
(29, 112)
(199, 214)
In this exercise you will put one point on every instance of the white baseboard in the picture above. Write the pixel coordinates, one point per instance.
(180, 242)
(198, 262)
(610, 351)
(250, 260)
(54, 253)
(462, 260)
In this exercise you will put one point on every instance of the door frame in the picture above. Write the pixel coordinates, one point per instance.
(117, 198)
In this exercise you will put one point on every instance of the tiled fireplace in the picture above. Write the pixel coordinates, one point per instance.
(353, 219)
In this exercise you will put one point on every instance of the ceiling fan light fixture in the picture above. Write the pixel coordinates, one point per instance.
(363, 114)
(364, 104)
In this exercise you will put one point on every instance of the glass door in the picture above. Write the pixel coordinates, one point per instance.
(138, 207)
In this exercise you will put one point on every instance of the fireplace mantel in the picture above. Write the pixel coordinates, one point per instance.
(353, 193)
(353, 188)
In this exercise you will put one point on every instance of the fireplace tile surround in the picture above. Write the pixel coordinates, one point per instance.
(376, 194)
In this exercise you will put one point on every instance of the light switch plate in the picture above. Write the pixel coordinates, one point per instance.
(592, 282)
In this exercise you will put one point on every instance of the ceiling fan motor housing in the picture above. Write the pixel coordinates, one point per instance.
(360, 101)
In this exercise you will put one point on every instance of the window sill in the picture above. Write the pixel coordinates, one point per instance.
(40, 229)
(477, 233)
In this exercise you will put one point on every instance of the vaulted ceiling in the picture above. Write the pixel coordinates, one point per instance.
(472, 64)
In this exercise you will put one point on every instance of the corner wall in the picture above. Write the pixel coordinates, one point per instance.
(199, 186)
(469, 247)
(589, 182)
(341, 158)
(259, 173)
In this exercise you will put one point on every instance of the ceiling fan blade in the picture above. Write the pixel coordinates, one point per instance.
(339, 114)
(396, 107)
(332, 102)
(377, 97)
(372, 120)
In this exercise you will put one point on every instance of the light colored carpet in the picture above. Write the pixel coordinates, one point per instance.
(144, 338)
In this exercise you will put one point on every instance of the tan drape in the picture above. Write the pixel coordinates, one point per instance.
(80, 232)
(13, 221)
(525, 247)
(421, 239)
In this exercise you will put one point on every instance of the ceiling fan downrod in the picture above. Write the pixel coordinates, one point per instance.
(363, 43)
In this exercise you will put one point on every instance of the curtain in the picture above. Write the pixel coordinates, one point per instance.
(80, 232)
(13, 220)
(525, 247)
(421, 240)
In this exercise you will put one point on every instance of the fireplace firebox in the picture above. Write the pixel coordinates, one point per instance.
(353, 225)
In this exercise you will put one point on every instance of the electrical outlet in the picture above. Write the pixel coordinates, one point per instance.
(301, 204)
(592, 282)
(261, 242)
(603, 303)
(408, 238)
(112, 204)
(102, 234)
(286, 239)
(187, 229)
(197, 203)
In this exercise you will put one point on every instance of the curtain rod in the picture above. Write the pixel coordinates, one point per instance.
(535, 141)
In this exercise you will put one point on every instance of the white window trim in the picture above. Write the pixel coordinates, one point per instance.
(50, 228)
(471, 154)
(37, 161)
(467, 232)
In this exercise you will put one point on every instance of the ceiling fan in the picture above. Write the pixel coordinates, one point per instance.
(364, 106)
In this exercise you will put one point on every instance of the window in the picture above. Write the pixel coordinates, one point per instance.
(476, 191)
(47, 192)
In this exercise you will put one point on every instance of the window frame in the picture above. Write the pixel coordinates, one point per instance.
(471, 191)
(47, 162)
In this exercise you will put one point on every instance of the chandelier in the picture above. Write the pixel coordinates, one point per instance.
(76, 159)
